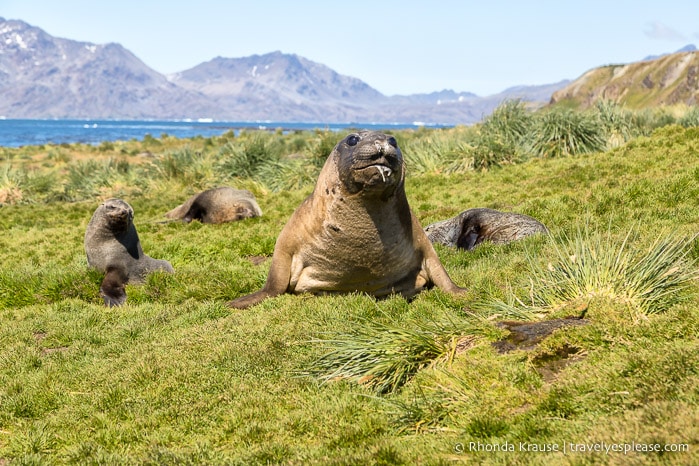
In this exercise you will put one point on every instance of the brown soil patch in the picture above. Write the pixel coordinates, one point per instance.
(527, 336)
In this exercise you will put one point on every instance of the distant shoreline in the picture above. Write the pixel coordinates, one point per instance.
(32, 132)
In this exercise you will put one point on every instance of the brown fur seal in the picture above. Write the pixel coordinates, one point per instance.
(113, 247)
(473, 226)
(355, 232)
(218, 205)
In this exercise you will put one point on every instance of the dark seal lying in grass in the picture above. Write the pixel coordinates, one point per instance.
(113, 247)
(473, 226)
(355, 232)
(218, 205)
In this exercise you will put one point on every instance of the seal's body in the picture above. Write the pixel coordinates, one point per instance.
(355, 232)
(473, 226)
(218, 205)
(112, 246)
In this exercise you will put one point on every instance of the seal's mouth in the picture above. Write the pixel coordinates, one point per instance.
(118, 218)
(384, 171)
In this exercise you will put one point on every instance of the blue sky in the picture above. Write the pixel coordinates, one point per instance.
(397, 47)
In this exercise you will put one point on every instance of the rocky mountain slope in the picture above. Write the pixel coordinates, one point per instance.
(46, 77)
(280, 86)
(666, 80)
(42, 76)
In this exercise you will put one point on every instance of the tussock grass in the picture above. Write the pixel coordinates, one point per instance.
(186, 164)
(383, 357)
(10, 186)
(288, 174)
(440, 154)
(619, 124)
(566, 132)
(511, 120)
(690, 118)
(591, 266)
(245, 156)
(320, 145)
(648, 281)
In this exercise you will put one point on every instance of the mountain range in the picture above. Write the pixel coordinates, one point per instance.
(42, 76)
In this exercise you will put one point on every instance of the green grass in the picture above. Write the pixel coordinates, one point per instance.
(175, 377)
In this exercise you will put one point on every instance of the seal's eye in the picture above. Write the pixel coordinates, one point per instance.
(392, 141)
(352, 140)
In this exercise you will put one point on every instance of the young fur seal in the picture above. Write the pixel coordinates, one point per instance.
(473, 226)
(218, 205)
(113, 247)
(355, 232)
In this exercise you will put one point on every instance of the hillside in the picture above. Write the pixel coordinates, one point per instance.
(666, 80)
(175, 377)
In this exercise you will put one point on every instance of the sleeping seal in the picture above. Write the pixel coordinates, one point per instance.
(218, 205)
(355, 232)
(473, 226)
(112, 246)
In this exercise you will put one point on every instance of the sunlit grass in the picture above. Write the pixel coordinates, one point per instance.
(176, 377)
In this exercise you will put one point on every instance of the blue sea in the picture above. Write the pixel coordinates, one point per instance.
(16, 133)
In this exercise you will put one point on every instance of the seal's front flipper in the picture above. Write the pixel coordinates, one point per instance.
(277, 281)
(438, 277)
(113, 288)
(249, 300)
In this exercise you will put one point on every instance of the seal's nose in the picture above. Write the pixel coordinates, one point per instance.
(380, 147)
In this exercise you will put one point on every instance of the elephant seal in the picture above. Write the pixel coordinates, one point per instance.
(218, 205)
(112, 246)
(355, 232)
(473, 226)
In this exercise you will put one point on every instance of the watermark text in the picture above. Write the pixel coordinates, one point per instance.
(571, 447)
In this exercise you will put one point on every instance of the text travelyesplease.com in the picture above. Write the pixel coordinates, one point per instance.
(571, 447)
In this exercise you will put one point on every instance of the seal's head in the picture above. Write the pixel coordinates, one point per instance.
(118, 213)
(370, 162)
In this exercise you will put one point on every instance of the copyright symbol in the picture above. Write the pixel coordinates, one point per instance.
(459, 448)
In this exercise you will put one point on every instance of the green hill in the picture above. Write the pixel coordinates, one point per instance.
(668, 80)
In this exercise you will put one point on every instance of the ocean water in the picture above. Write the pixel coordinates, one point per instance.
(16, 133)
